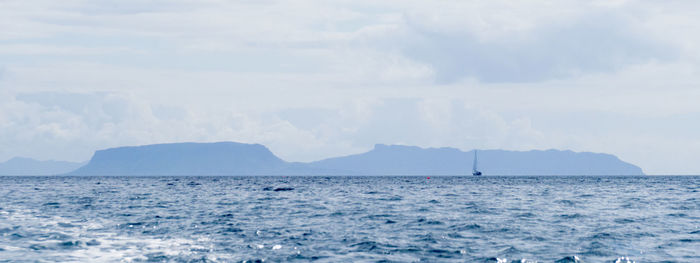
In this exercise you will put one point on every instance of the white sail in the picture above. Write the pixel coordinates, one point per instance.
(475, 171)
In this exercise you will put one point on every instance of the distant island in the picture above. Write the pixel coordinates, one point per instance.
(28, 166)
(231, 158)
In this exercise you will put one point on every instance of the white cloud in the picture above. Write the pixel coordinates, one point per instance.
(50, 121)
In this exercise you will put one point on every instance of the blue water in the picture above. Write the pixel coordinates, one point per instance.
(350, 219)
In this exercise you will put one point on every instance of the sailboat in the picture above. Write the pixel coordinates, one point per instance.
(475, 172)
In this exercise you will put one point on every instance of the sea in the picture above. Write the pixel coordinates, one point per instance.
(350, 219)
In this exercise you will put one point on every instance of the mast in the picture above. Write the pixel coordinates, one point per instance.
(475, 172)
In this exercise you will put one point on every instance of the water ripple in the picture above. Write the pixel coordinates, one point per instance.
(350, 219)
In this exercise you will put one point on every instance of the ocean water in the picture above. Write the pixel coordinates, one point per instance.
(350, 219)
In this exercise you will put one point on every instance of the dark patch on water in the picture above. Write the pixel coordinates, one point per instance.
(466, 227)
(678, 215)
(571, 216)
(69, 244)
(526, 215)
(429, 222)
(568, 259)
(624, 220)
(37, 247)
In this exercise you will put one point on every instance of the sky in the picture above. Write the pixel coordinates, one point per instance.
(317, 79)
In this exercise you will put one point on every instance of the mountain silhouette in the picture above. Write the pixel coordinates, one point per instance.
(28, 166)
(231, 158)
(411, 160)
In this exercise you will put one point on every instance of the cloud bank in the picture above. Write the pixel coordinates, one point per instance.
(313, 79)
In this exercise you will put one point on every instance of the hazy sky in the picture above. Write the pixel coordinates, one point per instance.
(314, 79)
